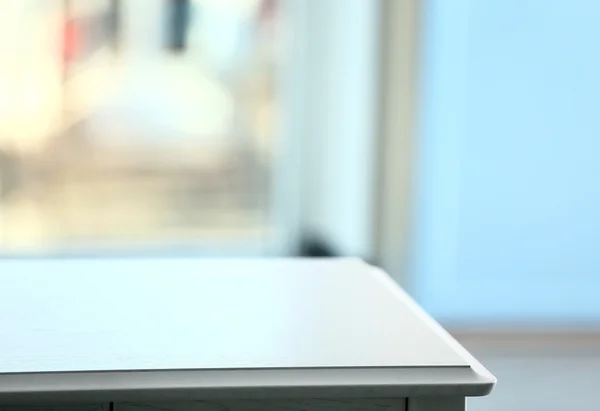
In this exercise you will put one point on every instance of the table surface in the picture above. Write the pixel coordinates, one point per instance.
(322, 318)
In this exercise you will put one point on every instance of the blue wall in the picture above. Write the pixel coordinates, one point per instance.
(509, 183)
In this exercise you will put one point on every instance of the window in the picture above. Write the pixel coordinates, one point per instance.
(128, 124)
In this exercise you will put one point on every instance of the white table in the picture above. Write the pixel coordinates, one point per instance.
(222, 335)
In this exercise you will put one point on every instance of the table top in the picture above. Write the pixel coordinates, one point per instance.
(181, 319)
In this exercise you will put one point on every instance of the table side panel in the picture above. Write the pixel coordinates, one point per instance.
(308, 404)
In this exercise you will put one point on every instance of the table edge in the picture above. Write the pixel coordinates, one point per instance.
(275, 383)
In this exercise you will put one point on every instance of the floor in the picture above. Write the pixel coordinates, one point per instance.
(544, 373)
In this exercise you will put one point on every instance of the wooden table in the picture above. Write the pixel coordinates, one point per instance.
(222, 335)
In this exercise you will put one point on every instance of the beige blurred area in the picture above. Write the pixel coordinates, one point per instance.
(131, 143)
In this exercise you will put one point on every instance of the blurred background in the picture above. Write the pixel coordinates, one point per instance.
(128, 124)
(452, 142)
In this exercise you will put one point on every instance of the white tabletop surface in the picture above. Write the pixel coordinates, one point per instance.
(143, 314)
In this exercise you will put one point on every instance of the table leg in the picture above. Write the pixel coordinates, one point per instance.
(437, 404)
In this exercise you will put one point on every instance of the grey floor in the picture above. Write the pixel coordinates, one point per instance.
(541, 373)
